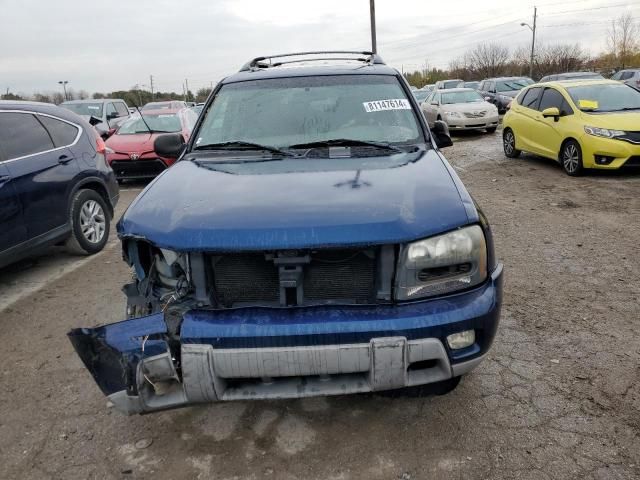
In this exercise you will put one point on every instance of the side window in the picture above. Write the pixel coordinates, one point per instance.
(436, 98)
(21, 134)
(617, 76)
(110, 109)
(62, 133)
(122, 109)
(530, 98)
(550, 98)
(626, 75)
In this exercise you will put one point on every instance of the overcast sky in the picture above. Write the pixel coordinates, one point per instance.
(112, 45)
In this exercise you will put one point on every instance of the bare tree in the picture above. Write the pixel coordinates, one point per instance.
(560, 57)
(488, 59)
(622, 38)
(83, 94)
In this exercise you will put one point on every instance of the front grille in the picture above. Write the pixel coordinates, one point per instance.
(147, 168)
(632, 137)
(475, 114)
(246, 278)
(331, 276)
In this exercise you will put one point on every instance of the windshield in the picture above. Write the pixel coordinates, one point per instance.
(605, 98)
(157, 106)
(462, 97)
(168, 122)
(581, 76)
(471, 84)
(94, 109)
(511, 85)
(452, 83)
(421, 95)
(287, 111)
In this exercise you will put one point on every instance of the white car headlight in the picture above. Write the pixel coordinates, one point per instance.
(442, 264)
(452, 114)
(603, 132)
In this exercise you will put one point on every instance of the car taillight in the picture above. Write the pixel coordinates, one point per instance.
(101, 147)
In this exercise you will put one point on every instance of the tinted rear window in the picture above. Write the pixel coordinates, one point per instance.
(62, 133)
(21, 134)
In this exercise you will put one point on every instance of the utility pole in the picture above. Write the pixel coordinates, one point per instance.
(151, 83)
(533, 40)
(64, 86)
(186, 82)
(372, 13)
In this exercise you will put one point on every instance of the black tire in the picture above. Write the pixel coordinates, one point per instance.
(571, 158)
(88, 211)
(509, 144)
(492, 129)
(439, 388)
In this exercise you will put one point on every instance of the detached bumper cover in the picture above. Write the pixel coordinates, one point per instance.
(256, 353)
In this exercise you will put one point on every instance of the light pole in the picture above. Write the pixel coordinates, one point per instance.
(372, 13)
(533, 40)
(64, 86)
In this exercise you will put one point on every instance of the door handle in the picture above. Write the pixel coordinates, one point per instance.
(64, 159)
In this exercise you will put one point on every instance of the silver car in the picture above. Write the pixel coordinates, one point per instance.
(111, 112)
(631, 77)
(461, 109)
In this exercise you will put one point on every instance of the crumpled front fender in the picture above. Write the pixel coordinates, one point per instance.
(112, 352)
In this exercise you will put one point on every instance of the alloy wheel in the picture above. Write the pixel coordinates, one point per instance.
(571, 158)
(92, 221)
(509, 143)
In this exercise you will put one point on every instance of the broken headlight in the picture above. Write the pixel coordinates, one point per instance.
(442, 264)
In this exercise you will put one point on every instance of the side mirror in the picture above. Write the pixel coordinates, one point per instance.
(441, 135)
(169, 145)
(112, 115)
(551, 112)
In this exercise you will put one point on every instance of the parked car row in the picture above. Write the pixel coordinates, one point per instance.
(461, 109)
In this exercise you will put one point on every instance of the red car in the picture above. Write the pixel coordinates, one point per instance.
(130, 149)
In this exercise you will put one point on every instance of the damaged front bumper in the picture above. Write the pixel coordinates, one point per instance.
(260, 352)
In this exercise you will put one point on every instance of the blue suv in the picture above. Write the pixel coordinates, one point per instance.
(55, 184)
(311, 240)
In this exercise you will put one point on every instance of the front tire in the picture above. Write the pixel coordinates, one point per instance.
(571, 158)
(509, 144)
(90, 223)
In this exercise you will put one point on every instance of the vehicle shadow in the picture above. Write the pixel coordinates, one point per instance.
(623, 173)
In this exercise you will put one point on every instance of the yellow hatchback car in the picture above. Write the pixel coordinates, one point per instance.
(581, 124)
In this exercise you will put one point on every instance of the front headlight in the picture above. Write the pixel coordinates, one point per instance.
(452, 114)
(442, 264)
(603, 132)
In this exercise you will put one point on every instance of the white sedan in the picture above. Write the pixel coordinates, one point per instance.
(461, 109)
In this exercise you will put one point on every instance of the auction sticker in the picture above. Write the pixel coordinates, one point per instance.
(391, 104)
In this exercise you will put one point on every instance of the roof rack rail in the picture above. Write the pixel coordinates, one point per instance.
(267, 61)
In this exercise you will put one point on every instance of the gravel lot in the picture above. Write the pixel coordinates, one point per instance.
(559, 397)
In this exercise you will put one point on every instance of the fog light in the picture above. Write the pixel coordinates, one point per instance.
(460, 340)
(603, 159)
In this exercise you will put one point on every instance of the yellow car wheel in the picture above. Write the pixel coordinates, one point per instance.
(571, 158)
(509, 143)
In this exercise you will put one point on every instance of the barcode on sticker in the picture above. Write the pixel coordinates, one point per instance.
(391, 104)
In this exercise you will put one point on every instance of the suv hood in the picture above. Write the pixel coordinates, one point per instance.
(194, 208)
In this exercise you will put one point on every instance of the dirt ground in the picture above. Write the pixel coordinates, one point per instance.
(559, 397)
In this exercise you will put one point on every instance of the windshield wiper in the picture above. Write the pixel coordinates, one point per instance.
(241, 145)
(347, 142)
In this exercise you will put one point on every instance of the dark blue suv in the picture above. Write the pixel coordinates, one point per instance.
(55, 185)
(311, 240)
